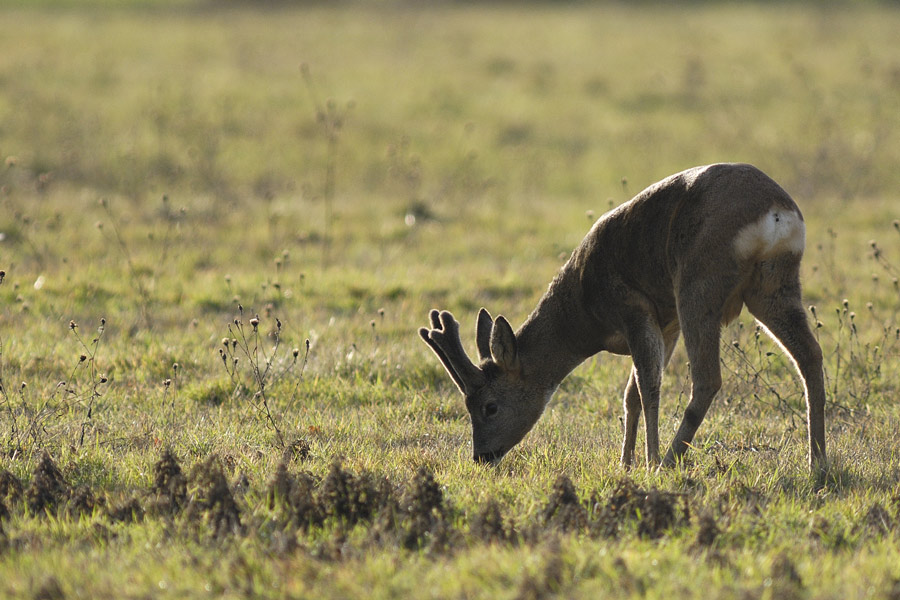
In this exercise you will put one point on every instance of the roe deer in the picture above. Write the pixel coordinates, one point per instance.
(683, 256)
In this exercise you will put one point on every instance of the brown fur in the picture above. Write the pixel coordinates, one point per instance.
(682, 257)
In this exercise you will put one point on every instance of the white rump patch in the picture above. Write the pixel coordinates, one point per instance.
(777, 232)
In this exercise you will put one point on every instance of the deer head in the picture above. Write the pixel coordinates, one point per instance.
(502, 404)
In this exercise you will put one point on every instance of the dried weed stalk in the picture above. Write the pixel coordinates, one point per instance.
(263, 367)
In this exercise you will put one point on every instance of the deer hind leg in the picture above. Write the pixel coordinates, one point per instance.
(632, 400)
(774, 299)
(700, 316)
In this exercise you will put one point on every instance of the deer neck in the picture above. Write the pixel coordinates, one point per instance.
(556, 336)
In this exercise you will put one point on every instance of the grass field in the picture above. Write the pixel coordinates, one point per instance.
(175, 173)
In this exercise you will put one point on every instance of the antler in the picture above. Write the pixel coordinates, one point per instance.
(443, 338)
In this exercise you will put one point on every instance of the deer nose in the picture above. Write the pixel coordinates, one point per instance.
(483, 458)
(487, 457)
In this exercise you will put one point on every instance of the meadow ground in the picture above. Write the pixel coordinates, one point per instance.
(174, 171)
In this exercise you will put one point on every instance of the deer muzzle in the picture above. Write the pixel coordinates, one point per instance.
(491, 458)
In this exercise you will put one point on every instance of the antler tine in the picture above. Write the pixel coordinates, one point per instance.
(442, 356)
(444, 340)
(450, 342)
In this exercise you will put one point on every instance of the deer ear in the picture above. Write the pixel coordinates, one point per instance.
(503, 345)
(483, 334)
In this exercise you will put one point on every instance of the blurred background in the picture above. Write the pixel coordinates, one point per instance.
(364, 155)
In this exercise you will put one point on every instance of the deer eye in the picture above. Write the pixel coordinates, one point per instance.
(490, 409)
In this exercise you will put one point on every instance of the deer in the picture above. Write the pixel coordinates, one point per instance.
(682, 258)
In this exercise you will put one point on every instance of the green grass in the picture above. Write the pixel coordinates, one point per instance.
(166, 164)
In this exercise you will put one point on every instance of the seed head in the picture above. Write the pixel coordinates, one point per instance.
(254, 322)
(82, 358)
(296, 352)
(2, 276)
(103, 379)
(167, 382)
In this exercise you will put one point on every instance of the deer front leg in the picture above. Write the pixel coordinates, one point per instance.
(648, 352)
